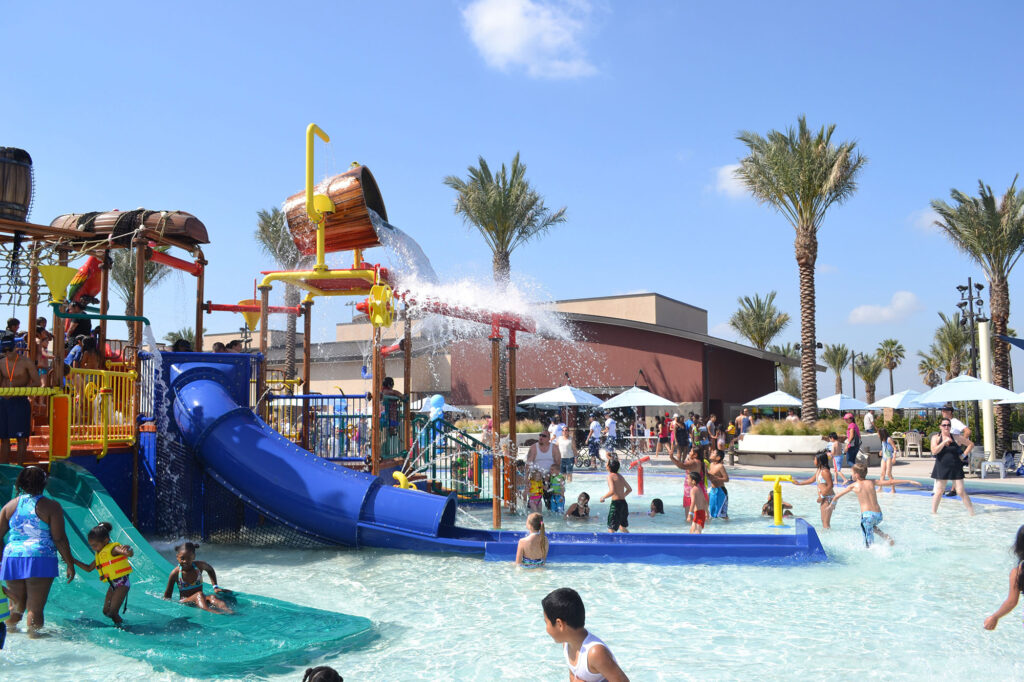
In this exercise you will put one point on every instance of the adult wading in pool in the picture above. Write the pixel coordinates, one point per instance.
(29, 565)
(16, 411)
(948, 466)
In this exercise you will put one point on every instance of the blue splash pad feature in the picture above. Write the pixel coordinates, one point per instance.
(262, 636)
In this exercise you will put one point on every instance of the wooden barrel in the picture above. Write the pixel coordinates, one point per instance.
(349, 227)
(120, 225)
(15, 183)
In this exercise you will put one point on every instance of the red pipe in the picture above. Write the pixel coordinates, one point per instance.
(170, 261)
(211, 307)
(639, 464)
(508, 321)
(394, 348)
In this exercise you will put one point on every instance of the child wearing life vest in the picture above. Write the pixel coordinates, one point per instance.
(111, 562)
(556, 488)
(536, 491)
(188, 575)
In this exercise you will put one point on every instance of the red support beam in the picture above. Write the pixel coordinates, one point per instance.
(212, 307)
(192, 268)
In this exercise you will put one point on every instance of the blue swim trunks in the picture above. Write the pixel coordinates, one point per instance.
(868, 521)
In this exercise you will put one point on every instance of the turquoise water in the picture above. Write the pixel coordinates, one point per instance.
(912, 611)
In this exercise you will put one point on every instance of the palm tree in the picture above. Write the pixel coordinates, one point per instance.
(990, 231)
(758, 320)
(892, 353)
(801, 174)
(508, 212)
(789, 382)
(122, 276)
(928, 367)
(836, 357)
(185, 333)
(868, 369)
(952, 345)
(276, 241)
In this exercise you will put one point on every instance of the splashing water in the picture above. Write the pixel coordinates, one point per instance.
(162, 393)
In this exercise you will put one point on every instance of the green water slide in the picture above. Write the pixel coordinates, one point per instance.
(263, 636)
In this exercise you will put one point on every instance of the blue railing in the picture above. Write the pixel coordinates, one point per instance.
(338, 425)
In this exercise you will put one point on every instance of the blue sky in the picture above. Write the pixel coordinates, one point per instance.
(625, 113)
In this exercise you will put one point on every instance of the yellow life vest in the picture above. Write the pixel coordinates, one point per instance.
(536, 487)
(5, 608)
(111, 566)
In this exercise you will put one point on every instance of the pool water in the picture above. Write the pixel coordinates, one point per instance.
(911, 611)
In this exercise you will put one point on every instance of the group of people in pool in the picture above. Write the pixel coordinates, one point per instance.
(34, 529)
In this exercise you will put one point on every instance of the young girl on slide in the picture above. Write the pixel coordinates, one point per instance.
(111, 562)
(189, 578)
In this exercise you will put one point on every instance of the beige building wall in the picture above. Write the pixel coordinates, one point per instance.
(640, 308)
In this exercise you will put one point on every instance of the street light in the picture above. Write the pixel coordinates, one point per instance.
(970, 304)
(853, 370)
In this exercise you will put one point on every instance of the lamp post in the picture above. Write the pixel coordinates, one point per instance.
(853, 370)
(970, 305)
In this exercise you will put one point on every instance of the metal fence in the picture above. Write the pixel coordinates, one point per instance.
(103, 407)
(451, 459)
(338, 425)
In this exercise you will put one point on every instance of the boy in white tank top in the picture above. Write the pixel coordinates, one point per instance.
(589, 659)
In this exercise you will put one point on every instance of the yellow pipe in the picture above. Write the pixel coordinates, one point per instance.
(777, 495)
(316, 205)
(299, 276)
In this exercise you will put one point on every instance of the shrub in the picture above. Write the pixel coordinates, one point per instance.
(523, 426)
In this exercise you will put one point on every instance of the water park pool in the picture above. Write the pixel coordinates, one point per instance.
(911, 611)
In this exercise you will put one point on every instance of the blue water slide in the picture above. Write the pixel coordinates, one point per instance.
(352, 508)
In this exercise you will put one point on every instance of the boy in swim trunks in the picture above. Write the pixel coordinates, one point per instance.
(870, 512)
(618, 488)
(698, 504)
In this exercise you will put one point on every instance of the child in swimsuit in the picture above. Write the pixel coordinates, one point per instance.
(189, 578)
(589, 659)
(870, 512)
(556, 489)
(698, 506)
(536, 491)
(1016, 584)
(580, 509)
(888, 454)
(111, 562)
(618, 489)
(532, 550)
(826, 488)
(768, 508)
(836, 451)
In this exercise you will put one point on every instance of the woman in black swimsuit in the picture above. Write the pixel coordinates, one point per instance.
(948, 467)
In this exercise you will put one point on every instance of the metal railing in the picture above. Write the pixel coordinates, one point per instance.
(338, 425)
(451, 459)
(103, 407)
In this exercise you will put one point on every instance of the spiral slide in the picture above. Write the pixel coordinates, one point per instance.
(263, 635)
(345, 507)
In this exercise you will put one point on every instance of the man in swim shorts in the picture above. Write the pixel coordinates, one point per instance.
(618, 488)
(16, 371)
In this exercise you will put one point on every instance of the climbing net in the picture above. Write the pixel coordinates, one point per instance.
(17, 258)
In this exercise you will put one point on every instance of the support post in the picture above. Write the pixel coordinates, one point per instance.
(141, 244)
(261, 382)
(306, 328)
(407, 383)
(377, 366)
(496, 431)
(988, 428)
(136, 452)
(33, 308)
(200, 285)
(509, 463)
(104, 298)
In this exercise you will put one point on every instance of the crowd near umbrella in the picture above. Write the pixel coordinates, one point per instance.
(774, 399)
(842, 403)
(563, 396)
(965, 388)
(637, 397)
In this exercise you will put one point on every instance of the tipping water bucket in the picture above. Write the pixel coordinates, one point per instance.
(349, 226)
(15, 183)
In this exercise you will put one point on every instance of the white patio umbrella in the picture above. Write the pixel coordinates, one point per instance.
(1019, 399)
(446, 408)
(904, 400)
(563, 396)
(774, 399)
(841, 402)
(637, 397)
(965, 388)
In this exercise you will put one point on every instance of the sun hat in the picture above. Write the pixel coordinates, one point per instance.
(848, 415)
(675, 416)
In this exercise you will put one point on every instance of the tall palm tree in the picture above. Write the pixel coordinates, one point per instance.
(758, 320)
(990, 230)
(951, 346)
(836, 357)
(508, 212)
(868, 369)
(276, 241)
(929, 367)
(789, 382)
(892, 353)
(122, 276)
(801, 174)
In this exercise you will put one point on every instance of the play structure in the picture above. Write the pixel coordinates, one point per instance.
(221, 446)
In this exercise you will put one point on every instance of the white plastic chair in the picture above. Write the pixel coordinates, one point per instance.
(914, 443)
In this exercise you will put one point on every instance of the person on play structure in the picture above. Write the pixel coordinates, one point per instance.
(16, 371)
